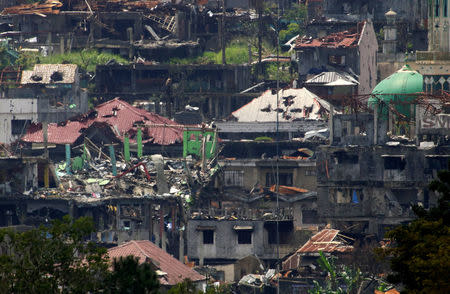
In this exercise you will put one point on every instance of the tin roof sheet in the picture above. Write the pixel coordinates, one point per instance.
(330, 77)
(326, 240)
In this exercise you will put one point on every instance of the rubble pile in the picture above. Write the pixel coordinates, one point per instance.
(92, 179)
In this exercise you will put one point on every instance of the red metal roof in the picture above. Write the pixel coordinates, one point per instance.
(176, 271)
(344, 39)
(121, 116)
(325, 241)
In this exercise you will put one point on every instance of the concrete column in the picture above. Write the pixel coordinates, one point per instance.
(331, 124)
(210, 106)
(131, 40)
(61, 44)
(161, 226)
(412, 129)
(375, 124)
(216, 107)
(181, 247)
(391, 118)
(418, 126)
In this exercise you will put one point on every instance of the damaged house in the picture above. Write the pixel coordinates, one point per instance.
(49, 92)
(352, 51)
(110, 123)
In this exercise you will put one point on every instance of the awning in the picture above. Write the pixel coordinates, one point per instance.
(206, 228)
(243, 228)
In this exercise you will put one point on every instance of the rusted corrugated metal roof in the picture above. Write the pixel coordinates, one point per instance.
(344, 39)
(326, 240)
(49, 7)
(121, 116)
(174, 271)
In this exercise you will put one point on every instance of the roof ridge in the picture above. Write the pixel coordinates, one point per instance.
(140, 249)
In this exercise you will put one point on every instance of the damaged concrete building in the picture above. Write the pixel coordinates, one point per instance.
(213, 88)
(368, 182)
(327, 16)
(49, 92)
(353, 51)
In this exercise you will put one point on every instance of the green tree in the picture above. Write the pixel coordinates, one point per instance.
(338, 276)
(420, 257)
(128, 276)
(53, 259)
(185, 287)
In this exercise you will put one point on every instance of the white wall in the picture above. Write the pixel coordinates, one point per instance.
(15, 109)
(368, 47)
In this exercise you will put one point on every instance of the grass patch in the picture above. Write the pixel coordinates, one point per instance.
(236, 52)
(85, 59)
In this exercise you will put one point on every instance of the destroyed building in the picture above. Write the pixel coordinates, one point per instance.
(49, 92)
(111, 122)
(353, 51)
(368, 181)
(213, 88)
(325, 16)
(153, 30)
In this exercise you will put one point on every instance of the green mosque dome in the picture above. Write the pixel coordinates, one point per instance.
(393, 88)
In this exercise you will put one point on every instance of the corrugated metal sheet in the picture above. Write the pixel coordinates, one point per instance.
(330, 77)
(49, 7)
(175, 271)
(294, 104)
(344, 39)
(121, 116)
(325, 241)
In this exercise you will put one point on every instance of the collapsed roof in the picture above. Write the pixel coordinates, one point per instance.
(294, 104)
(50, 74)
(345, 39)
(327, 240)
(120, 116)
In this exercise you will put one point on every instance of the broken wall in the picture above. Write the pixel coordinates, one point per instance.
(376, 185)
(15, 116)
